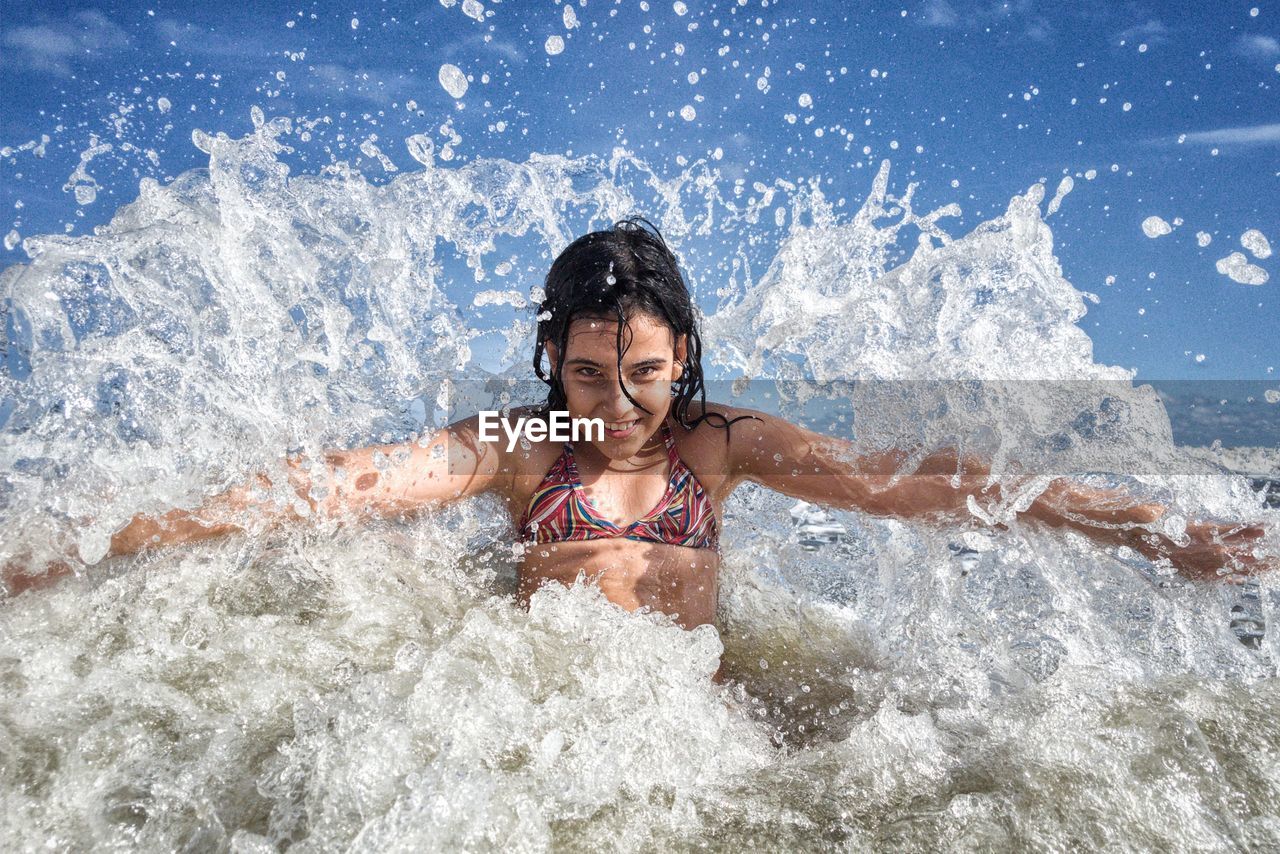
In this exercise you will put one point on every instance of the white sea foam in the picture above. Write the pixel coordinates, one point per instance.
(367, 688)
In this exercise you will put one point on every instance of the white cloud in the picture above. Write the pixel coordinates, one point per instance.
(1257, 47)
(1039, 30)
(1254, 135)
(1153, 31)
(509, 50)
(171, 30)
(973, 14)
(938, 13)
(196, 39)
(378, 86)
(53, 46)
(42, 48)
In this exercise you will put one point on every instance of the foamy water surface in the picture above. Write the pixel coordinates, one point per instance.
(377, 688)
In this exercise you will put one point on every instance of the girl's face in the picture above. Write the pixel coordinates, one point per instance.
(650, 365)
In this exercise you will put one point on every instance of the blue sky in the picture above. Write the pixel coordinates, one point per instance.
(974, 100)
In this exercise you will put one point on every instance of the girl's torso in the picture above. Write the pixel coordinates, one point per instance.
(676, 579)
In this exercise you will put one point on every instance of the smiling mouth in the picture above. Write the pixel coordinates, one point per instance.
(620, 428)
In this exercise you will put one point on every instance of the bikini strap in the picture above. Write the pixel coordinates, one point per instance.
(571, 463)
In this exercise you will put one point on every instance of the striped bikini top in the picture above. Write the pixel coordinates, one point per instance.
(558, 511)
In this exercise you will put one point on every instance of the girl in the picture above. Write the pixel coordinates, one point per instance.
(638, 511)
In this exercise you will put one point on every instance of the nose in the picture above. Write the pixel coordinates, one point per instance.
(616, 406)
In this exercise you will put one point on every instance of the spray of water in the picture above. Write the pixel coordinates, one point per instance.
(379, 689)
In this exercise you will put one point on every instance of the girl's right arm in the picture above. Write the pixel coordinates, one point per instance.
(390, 480)
(374, 481)
(379, 480)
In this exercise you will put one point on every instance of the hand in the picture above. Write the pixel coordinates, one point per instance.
(1213, 550)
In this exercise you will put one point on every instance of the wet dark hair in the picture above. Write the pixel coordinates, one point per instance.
(614, 275)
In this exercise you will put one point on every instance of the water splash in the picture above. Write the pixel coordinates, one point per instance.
(379, 688)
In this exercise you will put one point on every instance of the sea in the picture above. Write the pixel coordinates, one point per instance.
(891, 684)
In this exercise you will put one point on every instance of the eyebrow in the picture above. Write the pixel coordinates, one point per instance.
(654, 360)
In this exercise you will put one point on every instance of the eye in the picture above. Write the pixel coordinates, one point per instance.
(588, 373)
(646, 371)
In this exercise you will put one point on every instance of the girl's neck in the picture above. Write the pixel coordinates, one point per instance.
(652, 453)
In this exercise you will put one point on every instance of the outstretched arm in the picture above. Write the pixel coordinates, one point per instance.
(381, 480)
(1114, 516)
(825, 470)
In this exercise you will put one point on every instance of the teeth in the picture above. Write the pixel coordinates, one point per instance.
(619, 425)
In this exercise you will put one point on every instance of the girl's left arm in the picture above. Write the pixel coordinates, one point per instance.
(829, 471)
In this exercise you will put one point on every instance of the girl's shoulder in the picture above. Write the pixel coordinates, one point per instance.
(718, 421)
(529, 460)
(713, 443)
(734, 438)
(490, 434)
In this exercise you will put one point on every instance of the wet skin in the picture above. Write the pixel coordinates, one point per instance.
(624, 476)
(677, 580)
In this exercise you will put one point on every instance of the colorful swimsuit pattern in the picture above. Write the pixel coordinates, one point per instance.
(558, 511)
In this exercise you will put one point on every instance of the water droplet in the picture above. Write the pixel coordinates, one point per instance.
(453, 80)
(1256, 242)
(1154, 226)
